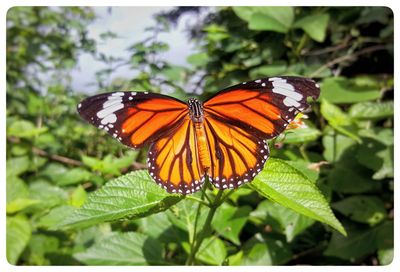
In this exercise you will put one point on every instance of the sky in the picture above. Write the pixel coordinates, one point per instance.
(129, 24)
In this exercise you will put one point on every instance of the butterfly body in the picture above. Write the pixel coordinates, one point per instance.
(196, 113)
(222, 138)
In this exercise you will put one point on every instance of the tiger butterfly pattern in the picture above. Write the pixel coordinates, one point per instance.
(223, 138)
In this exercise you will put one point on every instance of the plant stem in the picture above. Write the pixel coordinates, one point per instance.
(206, 228)
(201, 201)
(192, 240)
(303, 152)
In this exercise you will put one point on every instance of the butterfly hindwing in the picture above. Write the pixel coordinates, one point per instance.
(236, 155)
(133, 118)
(173, 160)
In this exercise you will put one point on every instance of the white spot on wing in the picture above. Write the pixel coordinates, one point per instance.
(275, 79)
(289, 102)
(286, 90)
(109, 110)
(292, 97)
(112, 118)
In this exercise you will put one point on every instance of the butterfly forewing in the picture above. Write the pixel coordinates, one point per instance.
(264, 106)
(133, 118)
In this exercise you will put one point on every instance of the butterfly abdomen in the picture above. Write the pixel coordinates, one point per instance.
(196, 113)
(204, 153)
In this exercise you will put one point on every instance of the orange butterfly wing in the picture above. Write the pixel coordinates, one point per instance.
(173, 160)
(236, 155)
(236, 122)
(134, 118)
(239, 119)
(263, 107)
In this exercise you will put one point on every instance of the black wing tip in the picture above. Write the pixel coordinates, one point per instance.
(313, 87)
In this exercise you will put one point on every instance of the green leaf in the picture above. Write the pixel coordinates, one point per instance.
(198, 59)
(129, 248)
(287, 186)
(385, 256)
(339, 120)
(174, 73)
(212, 251)
(39, 245)
(372, 110)
(55, 216)
(304, 168)
(302, 135)
(159, 227)
(109, 164)
(183, 216)
(360, 241)
(364, 209)
(78, 197)
(375, 14)
(278, 19)
(16, 188)
(335, 144)
(17, 165)
(273, 69)
(348, 176)
(48, 195)
(314, 25)
(291, 223)
(260, 250)
(341, 90)
(63, 176)
(383, 135)
(229, 221)
(24, 129)
(244, 13)
(133, 195)
(20, 204)
(377, 156)
(216, 32)
(18, 235)
(235, 259)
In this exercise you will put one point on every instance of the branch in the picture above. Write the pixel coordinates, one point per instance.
(58, 158)
(337, 47)
(348, 57)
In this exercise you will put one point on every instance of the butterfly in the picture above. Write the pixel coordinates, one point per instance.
(223, 138)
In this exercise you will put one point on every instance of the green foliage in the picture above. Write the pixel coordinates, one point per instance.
(261, 250)
(75, 196)
(18, 235)
(212, 251)
(277, 19)
(132, 195)
(342, 90)
(314, 25)
(230, 220)
(289, 222)
(364, 209)
(287, 186)
(128, 248)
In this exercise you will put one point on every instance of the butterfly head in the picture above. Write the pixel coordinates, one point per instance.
(196, 111)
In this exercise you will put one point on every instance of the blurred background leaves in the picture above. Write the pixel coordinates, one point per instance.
(55, 160)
